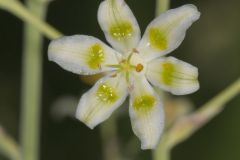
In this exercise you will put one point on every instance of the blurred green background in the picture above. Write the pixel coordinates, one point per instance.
(212, 44)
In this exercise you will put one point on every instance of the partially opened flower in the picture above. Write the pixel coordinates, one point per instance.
(130, 67)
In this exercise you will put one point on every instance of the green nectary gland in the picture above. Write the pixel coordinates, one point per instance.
(121, 30)
(158, 39)
(106, 94)
(144, 103)
(95, 57)
(168, 69)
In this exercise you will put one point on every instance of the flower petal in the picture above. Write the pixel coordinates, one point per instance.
(166, 32)
(173, 75)
(82, 54)
(119, 25)
(98, 103)
(146, 113)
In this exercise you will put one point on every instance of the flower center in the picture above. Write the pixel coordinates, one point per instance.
(125, 66)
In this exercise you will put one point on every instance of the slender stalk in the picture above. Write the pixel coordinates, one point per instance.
(186, 126)
(16, 8)
(162, 152)
(162, 6)
(110, 143)
(19, 10)
(8, 146)
(215, 105)
(31, 81)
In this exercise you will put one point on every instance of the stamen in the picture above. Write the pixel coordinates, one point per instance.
(135, 50)
(113, 65)
(139, 67)
(127, 77)
(130, 88)
(129, 57)
(99, 67)
(124, 61)
(114, 75)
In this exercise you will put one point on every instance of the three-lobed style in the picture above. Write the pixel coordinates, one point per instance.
(130, 67)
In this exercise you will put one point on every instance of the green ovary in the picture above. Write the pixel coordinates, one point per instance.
(158, 39)
(168, 70)
(95, 56)
(106, 94)
(121, 31)
(144, 103)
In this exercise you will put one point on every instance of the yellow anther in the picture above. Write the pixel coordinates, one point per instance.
(139, 67)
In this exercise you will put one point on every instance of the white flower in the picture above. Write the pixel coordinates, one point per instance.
(131, 67)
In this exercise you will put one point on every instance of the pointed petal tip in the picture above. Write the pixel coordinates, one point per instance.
(193, 10)
(97, 105)
(187, 91)
(176, 76)
(119, 25)
(50, 53)
(146, 114)
(52, 48)
(166, 32)
(149, 146)
(82, 54)
(87, 123)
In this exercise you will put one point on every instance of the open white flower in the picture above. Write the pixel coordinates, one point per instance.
(131, 67)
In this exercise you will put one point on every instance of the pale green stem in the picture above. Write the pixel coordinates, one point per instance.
(162, 6)
(16, 8)
(162, 152)
(8, 146)
(32, 68)
(19, 10)
(31, 83)
(109, 137)
(186, 126)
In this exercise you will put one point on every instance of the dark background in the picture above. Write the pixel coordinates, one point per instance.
(211, 44)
